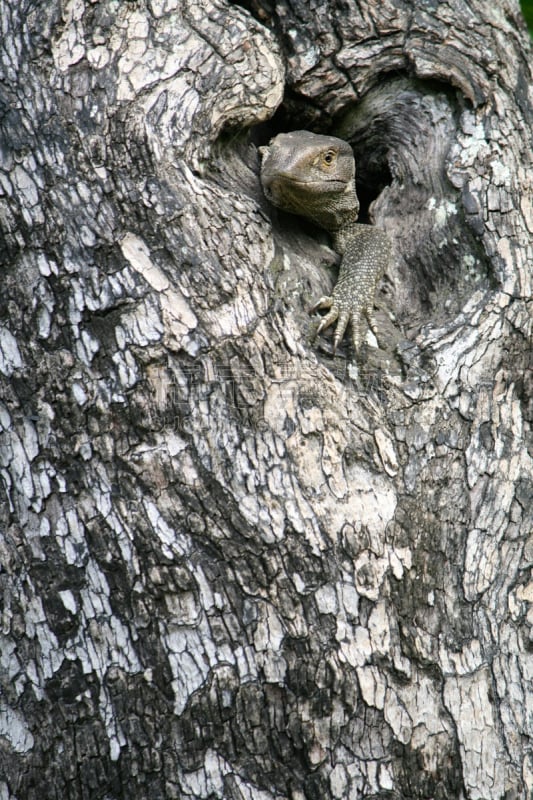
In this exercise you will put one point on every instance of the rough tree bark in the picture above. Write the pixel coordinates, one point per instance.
(232, 567)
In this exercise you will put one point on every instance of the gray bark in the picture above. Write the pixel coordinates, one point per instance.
(232, 566)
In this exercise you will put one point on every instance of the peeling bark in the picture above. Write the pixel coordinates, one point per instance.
(232, 567)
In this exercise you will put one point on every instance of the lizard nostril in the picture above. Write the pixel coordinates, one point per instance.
(271, 187)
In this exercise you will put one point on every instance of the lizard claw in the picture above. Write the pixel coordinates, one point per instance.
(373, 325)
(328, 320)
(355, 319)
(340, 329)
(324, 302)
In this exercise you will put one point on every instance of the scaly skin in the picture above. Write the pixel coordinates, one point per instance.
(314, 176)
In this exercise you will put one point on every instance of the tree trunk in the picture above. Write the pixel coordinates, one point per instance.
(231, 565)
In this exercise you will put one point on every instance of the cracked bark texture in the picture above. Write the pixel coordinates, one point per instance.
(230, 566)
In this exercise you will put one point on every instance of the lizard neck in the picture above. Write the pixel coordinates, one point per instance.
(342, 236)
(335, 217)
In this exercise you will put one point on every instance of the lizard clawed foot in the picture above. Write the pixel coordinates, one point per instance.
(335, 314)
(343, 317)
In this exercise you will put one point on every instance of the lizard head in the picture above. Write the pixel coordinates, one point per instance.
(311, 175)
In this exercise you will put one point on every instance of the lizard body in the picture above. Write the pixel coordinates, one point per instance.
(314, 176)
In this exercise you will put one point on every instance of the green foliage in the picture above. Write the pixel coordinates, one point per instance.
(527, 11)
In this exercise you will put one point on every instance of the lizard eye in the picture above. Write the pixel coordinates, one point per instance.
(329, 157)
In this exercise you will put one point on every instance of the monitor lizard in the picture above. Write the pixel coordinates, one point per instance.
(314, 176)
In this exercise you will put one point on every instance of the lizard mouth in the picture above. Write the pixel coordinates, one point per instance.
(275, 183)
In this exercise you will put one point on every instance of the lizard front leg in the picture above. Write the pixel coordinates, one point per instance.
(366, 254)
